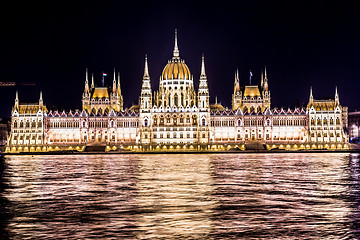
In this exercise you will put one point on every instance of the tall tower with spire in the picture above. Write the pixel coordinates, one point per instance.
(145, 103)
(237, 95)
(116, 98)
(41, 101)
(203, 93)
(86, 94)
(146, 95)
(203, 105)
(265, 91)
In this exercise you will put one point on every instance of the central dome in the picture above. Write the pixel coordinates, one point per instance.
(176, 69)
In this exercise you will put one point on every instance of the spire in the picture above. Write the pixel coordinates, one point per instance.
(216, 100)
(176, 49)
(92, 80)
(118, 85)
(203, 86)
(86, 81)
(114, 82)
(146, 69)
(41, 102)
(237, 81)
(203, 74)
(336, 95)
(146, 78)
(311, 98)
(16, 99)
(262, 79)
(265, 73)
(265, 82)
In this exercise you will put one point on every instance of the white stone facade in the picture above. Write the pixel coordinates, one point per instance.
(177, 117)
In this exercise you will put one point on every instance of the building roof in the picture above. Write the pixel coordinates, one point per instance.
(176, 69)
(100, 92)
(251, 91)
(30, 108)
(217, 106)
(323, 104)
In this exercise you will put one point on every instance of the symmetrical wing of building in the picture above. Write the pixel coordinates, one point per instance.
(177, 117)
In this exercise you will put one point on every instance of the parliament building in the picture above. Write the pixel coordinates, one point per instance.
(177, 117)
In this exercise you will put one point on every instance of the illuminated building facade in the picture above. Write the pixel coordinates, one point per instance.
(176, 117)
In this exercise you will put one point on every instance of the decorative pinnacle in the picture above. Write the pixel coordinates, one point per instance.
(176, 49)
(146, 69)
(203, 74)
(265, 73)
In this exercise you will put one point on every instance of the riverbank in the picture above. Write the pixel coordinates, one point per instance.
(186, 152)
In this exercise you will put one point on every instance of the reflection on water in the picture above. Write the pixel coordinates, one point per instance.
(237, 196)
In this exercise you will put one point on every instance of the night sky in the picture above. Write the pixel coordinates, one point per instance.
(303, 44)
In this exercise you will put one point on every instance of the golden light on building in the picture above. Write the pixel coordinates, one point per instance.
(177, 117)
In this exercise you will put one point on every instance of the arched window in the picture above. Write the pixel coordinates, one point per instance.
(181, 119)
(15, 124)
(161, 120)
(203, 122)
(145, 122)
(176, 100)
(239, 122)
(194, 119)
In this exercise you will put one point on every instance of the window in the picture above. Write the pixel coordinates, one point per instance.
(203, 122)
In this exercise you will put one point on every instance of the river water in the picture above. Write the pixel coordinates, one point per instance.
(175, 196)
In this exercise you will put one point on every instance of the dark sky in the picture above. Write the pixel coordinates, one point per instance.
(302, 44)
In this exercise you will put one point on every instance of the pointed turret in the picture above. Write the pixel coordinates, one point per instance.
(262, 79)
(337, 101)
(146, 69)
(203, 94)
(311, 98)
(16, 105)
(146, 95)
(118, 85)
(86, 82)
(237, 96)
(176, 49)
(266, 85)
(236, 82)
(41, 102)
(92, 81)
(203, 74)
(114, 83)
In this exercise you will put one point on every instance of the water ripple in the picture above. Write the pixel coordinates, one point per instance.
(224, 196)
